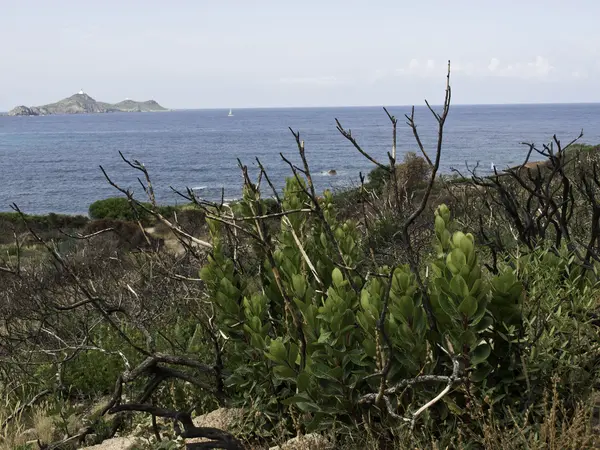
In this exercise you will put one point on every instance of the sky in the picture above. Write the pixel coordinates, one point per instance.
(281, 53)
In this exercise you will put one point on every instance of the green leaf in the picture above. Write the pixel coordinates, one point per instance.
(480, 354)
(445, 239)
(323, 372)
(284, 372)
(458, 286)
(405, 307)
(314, 424)
(481, 373)
(480, 313)
(468, 306)
(324, 337)
(370, 347)
(299, 284)
(466, 244)
(277, 351)
(457, 237)
(444, 212)
(308, 407)
(303, 381)
(452, 406)
(458, 258)
(337, 278)
(294, 399)
(447, 306)
(440, 226)
(365, 299)
(293, 356)
(468, 338)
(484, 323)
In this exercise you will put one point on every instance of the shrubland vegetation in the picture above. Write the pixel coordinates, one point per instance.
(415, 311)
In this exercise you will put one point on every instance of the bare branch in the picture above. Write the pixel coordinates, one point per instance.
(175, 229)
(394, 121)
(410, 121)
(85, 236)
(450, 381)
(219, 438)
(348, 135)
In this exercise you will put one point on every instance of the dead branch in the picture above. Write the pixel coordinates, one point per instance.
(450, 381)
(394, 126)
(219, 439)
(175, 229)
(85, 236)
(410, 121)
(441, 119)
(348, 135)
(91, 299)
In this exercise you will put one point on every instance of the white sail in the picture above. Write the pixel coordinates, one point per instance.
(230, 113)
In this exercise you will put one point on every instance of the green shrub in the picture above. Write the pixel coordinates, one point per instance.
(10, 221)
(308, 342)
(115, 208)
(323, 368)
(377, 179)
(119, 208)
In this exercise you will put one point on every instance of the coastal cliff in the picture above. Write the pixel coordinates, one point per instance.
(82, 103)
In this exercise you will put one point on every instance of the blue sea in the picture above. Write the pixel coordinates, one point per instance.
(51, 164)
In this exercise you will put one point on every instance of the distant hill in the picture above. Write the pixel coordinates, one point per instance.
(82, 103)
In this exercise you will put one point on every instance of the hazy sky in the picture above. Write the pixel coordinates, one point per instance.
(260, 53)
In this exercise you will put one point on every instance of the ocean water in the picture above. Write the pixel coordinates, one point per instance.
(51, 164)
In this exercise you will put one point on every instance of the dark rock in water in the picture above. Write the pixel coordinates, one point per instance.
(332, 172)
(23, 111)
(82, 103)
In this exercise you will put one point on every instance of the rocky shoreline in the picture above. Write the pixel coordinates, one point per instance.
(82, 103)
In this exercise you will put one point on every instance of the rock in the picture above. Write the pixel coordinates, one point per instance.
(23, 111)
(133, 106)
(82, 103)
(222, 419)
(332, 172)
(121, 443)
(311, 441)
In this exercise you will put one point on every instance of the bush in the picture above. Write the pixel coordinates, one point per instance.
(377, 179)
(117, 208)
(323, 367)
(411, 175)
(13, 222)
(313, 339)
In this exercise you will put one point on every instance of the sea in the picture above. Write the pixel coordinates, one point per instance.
(52, 163)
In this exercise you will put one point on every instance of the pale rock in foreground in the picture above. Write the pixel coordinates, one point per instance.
(121, 443)
(311, 441)
(222, 419)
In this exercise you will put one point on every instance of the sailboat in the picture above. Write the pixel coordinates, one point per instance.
(230, 113)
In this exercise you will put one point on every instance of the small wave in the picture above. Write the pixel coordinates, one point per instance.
(330, 173)
(198, 188)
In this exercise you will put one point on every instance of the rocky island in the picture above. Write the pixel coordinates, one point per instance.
(81, 103)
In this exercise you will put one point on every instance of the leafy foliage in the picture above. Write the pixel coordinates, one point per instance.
(313, 326)
(119, 208)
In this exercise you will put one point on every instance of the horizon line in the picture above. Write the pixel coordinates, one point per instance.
(218, 108)
(371, 106)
